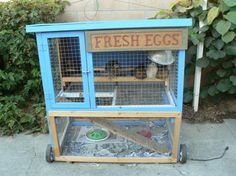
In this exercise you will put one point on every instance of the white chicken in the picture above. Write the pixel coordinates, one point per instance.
(151, 70)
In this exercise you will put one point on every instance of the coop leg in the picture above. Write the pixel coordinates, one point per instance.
(176, 136)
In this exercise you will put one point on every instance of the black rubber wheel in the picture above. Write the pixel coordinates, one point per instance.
(183, 154)
(49, 154)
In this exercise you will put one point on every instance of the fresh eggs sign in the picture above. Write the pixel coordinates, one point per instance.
(144, 39)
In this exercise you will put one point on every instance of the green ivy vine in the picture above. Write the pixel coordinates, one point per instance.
(218, 35)
(21, 98)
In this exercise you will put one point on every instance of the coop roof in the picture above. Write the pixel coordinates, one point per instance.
(102, 25)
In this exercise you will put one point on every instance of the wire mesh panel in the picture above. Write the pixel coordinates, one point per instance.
(66, 69)
(82, 137)
(173, 75)
(132, 78)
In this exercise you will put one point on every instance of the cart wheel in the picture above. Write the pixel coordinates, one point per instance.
(49, 154)
(183, 154)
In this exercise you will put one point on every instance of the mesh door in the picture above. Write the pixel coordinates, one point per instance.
(66, 69)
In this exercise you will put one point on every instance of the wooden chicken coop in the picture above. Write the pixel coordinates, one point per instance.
(114, 90)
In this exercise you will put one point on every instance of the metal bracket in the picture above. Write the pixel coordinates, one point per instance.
(86, 72)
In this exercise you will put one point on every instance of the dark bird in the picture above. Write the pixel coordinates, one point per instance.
(113, 68)
(140, 72)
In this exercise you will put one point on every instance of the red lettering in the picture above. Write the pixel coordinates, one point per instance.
(97, 42)
(175, 39)
(157, 40)
(107, 40)
(117, 41)
(125, 40)
(166, 41)
(134, 39)
(148, 38)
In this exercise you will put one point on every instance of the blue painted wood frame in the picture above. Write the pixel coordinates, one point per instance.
(49, 78)
(180, 86)
(42, 63)
(98, 25)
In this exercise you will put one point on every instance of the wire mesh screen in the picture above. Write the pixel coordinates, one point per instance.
(131, 78)
(174, 77)
(122, 138)
(66, 69)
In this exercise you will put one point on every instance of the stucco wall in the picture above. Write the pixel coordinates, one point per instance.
(94, 10)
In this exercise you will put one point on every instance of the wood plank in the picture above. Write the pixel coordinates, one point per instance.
(176, 136)
(54, 136)
(113, 79)
(138, 39)
(116, 159)
(130, 135)
(115, 114)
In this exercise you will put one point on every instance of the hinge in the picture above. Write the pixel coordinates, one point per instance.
(85, 72)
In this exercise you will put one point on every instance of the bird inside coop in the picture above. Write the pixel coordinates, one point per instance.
(152, 70)
(113, 68)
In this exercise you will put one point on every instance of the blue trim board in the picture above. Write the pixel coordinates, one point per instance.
(43, 70)
(102, 25)
(180, 92)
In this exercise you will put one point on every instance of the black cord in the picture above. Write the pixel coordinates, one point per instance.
(210, 159)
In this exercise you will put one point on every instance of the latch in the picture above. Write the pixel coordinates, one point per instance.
(85, 72)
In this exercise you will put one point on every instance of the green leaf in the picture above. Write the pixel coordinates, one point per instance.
(195, 12)
(233, 27)
(202, 16)
(208, 41)
(218, 44)
(215, 54)
(190, 68)
(227, 64)
(232, 90)
(203, 62)
(204, 28)
(223, 7)
(188, 96)
(212, 14)
(233, 79)
(228, 37)
(231, 16)
(231, 50)
(204, 92)
(234, 62)
(230, 3)
(197, 3)
(224, 85)
(213, 90)
(221, 72)
(194, 39)
(214, 33)
(223, 26)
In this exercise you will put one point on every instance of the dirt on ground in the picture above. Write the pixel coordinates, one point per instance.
(211, 111)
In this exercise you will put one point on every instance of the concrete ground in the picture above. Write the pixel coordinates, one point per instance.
(23, 155)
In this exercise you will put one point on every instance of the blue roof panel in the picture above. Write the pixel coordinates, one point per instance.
(103, 25)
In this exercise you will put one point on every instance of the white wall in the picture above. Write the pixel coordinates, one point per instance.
(94, 10)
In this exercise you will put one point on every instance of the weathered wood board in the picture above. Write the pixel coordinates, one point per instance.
(143, 39)
(130, 135)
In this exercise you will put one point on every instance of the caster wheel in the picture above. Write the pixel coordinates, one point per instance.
(183, 154)
(49, 154)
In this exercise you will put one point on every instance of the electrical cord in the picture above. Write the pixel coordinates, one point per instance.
(210, 159)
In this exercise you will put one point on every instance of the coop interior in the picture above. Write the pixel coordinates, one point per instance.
(100, 137)
(121, 78)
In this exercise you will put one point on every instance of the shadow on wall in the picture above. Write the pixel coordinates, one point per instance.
(100, 10)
